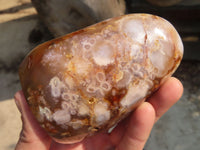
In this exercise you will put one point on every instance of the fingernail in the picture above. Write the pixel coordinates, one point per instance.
(16, 98)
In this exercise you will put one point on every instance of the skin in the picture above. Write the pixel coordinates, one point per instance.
(130, 134)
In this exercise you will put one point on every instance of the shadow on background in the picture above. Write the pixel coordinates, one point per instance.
(17, 38)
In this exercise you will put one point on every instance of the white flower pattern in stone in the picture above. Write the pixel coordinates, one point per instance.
(99, 84)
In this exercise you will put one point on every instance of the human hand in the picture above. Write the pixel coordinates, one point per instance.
(130, 134)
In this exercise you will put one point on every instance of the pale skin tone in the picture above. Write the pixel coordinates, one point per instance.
(131, 134)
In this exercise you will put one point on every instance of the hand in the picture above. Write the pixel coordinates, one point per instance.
(130, 134)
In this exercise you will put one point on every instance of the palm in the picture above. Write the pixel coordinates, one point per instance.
(97, 142)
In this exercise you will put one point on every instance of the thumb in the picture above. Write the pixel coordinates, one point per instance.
(139, 128)
(32, 136)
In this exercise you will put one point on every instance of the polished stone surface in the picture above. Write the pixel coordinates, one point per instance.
(87, 81)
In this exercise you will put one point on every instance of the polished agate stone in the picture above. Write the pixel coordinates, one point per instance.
(87, 81)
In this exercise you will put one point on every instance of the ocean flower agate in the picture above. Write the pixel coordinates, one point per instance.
(89, 80)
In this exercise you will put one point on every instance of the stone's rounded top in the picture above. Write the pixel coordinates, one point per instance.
(150, 27)
(89, 80)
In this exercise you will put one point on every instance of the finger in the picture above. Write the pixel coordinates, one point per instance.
(139, 128)
(168, 94)
(118, 132)
(32, 136)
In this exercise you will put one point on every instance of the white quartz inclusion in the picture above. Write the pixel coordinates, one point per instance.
(161, 54)
(51, 59)
(56, 86)
(61, 116)
(103, 54)
(45, 112)
(83, 110)
(134, 94)
(135, 30)
(159, 60)
(102, 114)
